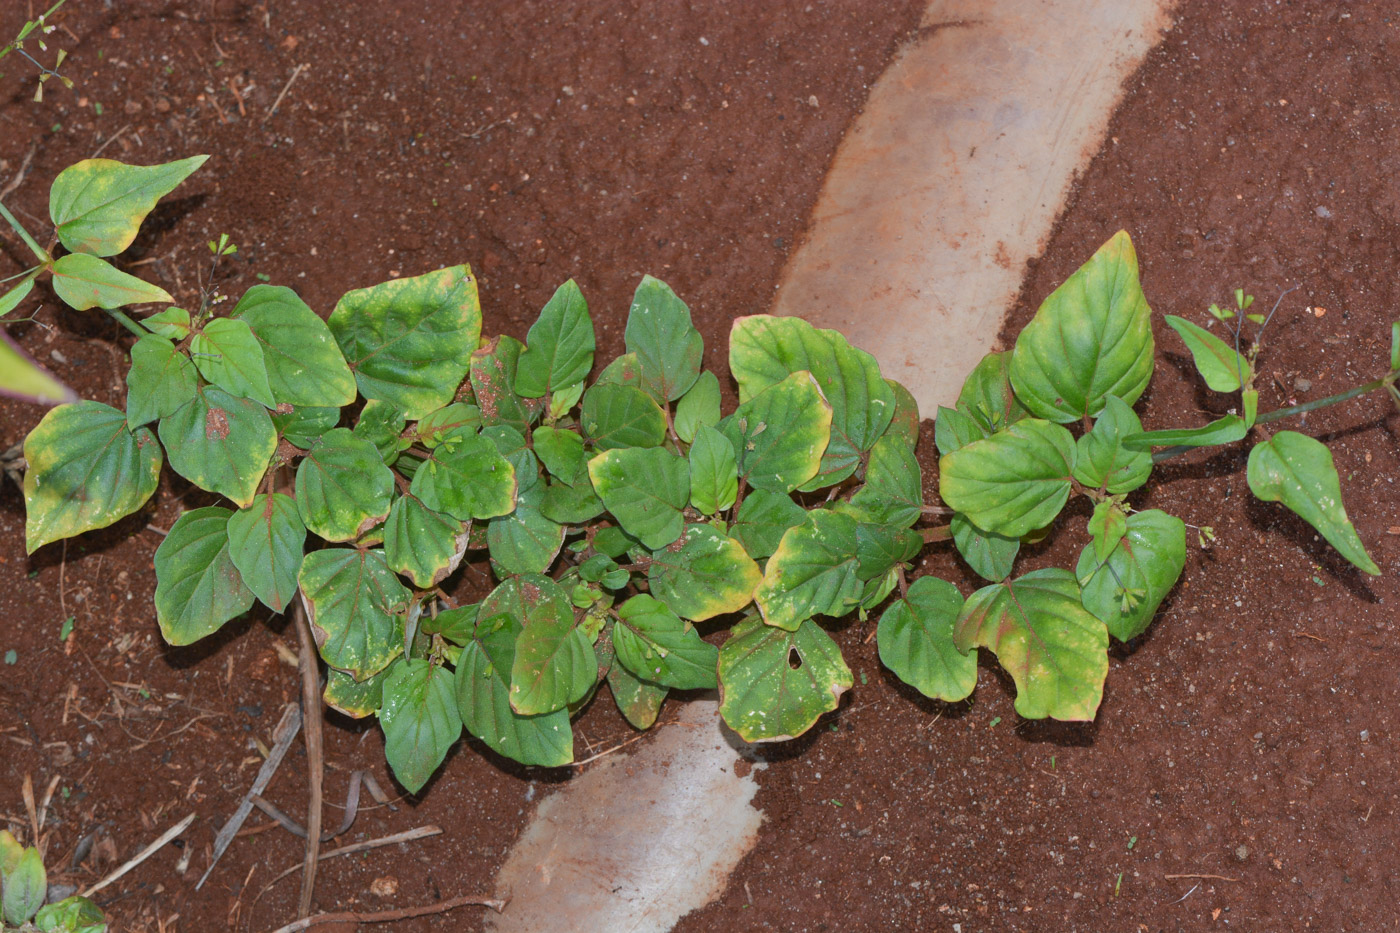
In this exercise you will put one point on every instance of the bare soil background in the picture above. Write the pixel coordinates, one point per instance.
(1248, 736)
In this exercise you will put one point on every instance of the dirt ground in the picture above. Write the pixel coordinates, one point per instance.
(1241, 772)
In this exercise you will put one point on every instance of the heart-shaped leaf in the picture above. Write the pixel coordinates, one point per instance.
(1126, 589)
(421, 544)
(698, 406)
(229, 356)
(622, 416)
(420, 720)
(813, 572)
(554, 663)
(763, 519)
(343, 487)
(1218, 363)
(655, 644)
(85, 282)
(893, 493)
(561, 452)
(198, 587)
(645, 490)
(483, 699)
(87, 469)
(409, 341)
(991, 556)
(353, 602)
(708, 575)
(1012, 482)
(1101, 459)
(1053, 648)
(524, 541)
(160, 380)
(559, 347)
(466, 478)
(638, 700)
(265, 544)
(774, 684)
(97, 205)
(667, 346)
(304, 363)
(437, 426)
(779, 435)
(304, 426)
(1298, 471)
(382, 425)
(915, 637)
(220, 443)
(714, 477)
(987, 397)
(357, 699)
(1091, 338)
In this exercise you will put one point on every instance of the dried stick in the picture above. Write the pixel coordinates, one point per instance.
(408, 835)
(283, 735)
(315, 759)
(285, 88)
(389, 916)
(141, 856)
(1212, 877)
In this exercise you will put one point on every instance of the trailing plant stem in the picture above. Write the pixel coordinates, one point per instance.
(125, 321)
(18, 227)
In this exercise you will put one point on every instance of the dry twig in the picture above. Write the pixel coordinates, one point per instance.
(141, 856)
(389, 916)
(296, 72)
(315, 759)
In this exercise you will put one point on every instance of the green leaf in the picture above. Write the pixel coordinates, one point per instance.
(409, 341)
(421, 544)
(991, 556)
(228, 355)
(875, 591)
(483, 699)
(559, 347)
(1297, 470)
(763, 519)
(698, 406)
(707, 576)
(160, 380)
(714, 477)
(779, 435)
(1101, 459)
(420, 720)
(437, 426)
(667, 346)
(623, 371)
(1053, 648)
(893, 493)
(10, 853)
(645, 490)
(357, 699)
(813, 572)
(173, 323)
(1218, 363)
(1091, 338)
(87, 469)
(905, 423)
(305, 426)
(554, 664)
(382, 425)
(466, 479)
(1013, 482)
(638, 700)
(524, 541)
(265, 544)
(85, 282)
(622, 416)
(303, 361)
(354, 601)
(1107, 525)
(11, 299)
(561, 452)
(493, 382)
(97, 205)
(343, 487)
(25, 887)
(1224, 430)
(1250, 399)
(71, 915)
(880, 547)
(774, 685)
(1126, 589)
(986, 396)
(765, 350)
(198, 586)
(220, 443)
(953, 430)
(655, 644)
(915, 636)
(456, 625)
(571, 505)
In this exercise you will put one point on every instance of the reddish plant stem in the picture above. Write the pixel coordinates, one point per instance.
(311, 723)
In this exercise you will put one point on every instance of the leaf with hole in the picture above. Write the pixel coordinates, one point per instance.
(266, 540)
(559, 346)
(1125, 589)
(774, 684)
(343, 487)
(354, 603)
(86, 469)
(97, 205)
(303, 361)
(708, 575)
(198, 586)
(813, 572)
(1091, 338)
(85, 282)
(645, 490)
(657, 645)
(915, 638)
(1298, 471)
(409, 341)
(1053, 648)
(220, 443)
(420, 720)
(1014, 481)
(666, 344)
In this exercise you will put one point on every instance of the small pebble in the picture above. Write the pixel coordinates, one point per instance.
(1301, 384)
(1322, 212)
(1242, 853)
